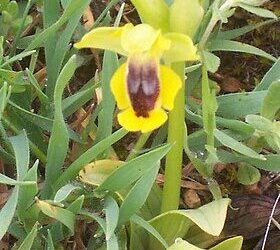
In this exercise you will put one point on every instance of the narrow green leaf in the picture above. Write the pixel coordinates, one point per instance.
(271, 76)
(76, 206)
(56, 155)
(271, 163)
(137, 195)
(62, 45)
(28, 241)
(7, 212)
(17, 57)
(148, 227)
(64, 192)
(232, 34)
(271, 102)
(133, 170)
(258, 11)
(73, 170)
(50, 245)
(21, 150)
(105, 118)
(234, 46)
(9, 181)
(48, 32)
(244, 104)
(112, 215)
(236, 145)
(66, 217)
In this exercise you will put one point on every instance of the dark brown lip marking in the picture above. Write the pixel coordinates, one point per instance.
(143, 86)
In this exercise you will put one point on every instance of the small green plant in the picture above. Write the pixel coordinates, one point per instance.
(10, 21)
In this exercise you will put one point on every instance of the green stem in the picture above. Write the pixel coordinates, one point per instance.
(176, 128)
(138, 146)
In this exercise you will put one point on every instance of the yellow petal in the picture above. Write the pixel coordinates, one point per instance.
(131, 122)
(139, 39)
(170, 84)
(118, 87)
(181, 49)
(155, 120)
(108, 38)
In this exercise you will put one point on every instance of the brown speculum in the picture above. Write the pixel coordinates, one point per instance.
(143, 86)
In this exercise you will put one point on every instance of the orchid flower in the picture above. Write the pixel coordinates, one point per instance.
(143, 87)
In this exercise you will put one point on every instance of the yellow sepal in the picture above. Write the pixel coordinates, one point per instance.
(107, 38)
(181, 49)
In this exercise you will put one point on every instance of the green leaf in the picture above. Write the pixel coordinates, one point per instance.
(149, 228)
(66, 217)
(259, 122)
(28, 241)
(244, 104)
(210, 218)
(64, 192)
(271, 76)
(132, 170)
(271, 102)
(17, 57)
(232, 34)
(234, 46)
(9, 181)
(27, 193)
(228, 141)
(234, 243)
(105, 118)
(73, 170)
(63, 39)
(74, 102)
(76, 206)
(7, 212)
(111, 210)
(248, 175)
(48, 32)
(212, 61)
(258, 11)
(14, 79)
(21, 149)
(50, 245)
(56, 155)
(5, 93)
(234, 125)
(271, 163)
(137, 195)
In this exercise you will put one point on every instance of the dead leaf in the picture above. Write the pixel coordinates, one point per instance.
(191, 199)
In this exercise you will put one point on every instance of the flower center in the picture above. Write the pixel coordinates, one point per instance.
(143, 86)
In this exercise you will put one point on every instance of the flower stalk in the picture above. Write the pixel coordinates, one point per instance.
(176, 134)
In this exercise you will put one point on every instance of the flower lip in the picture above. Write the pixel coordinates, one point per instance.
(143, 86)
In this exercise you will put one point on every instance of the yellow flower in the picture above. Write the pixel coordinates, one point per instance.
(143, 87)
